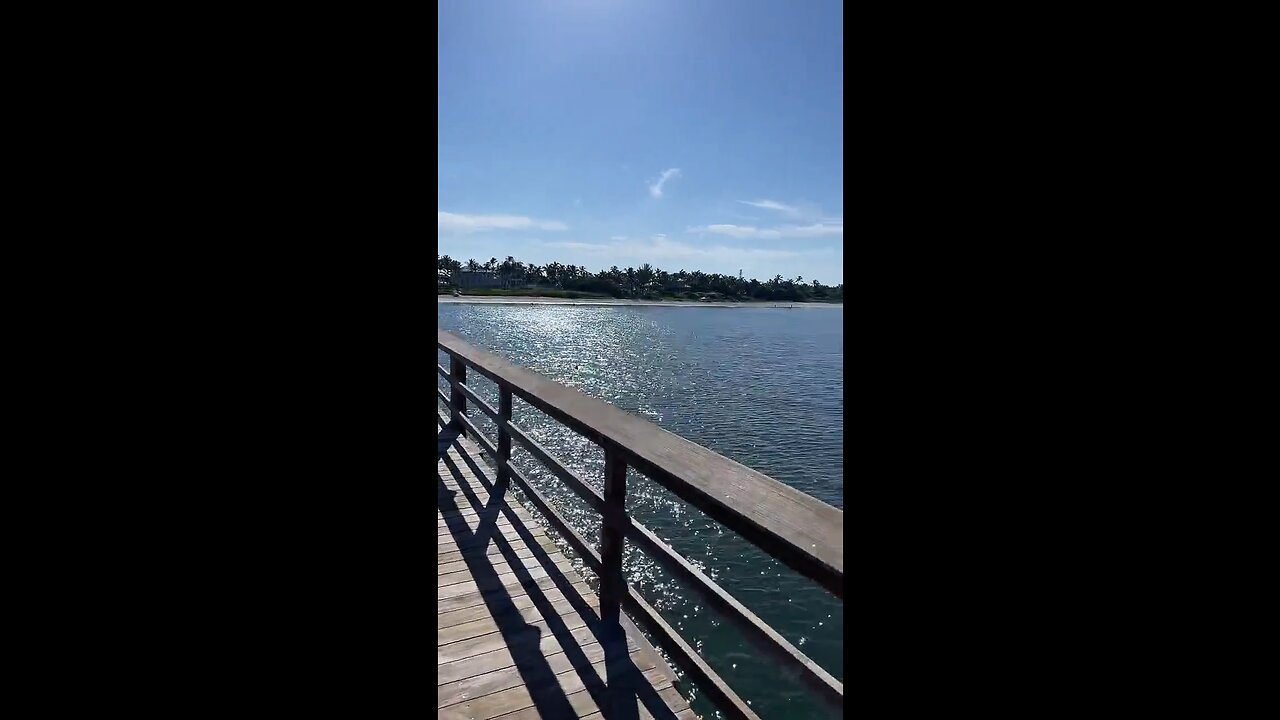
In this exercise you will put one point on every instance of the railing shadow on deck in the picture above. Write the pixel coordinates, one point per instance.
(626, 685)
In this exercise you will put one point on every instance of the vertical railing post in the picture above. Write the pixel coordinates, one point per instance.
(612, 585)
(504, 435)
(457, 401)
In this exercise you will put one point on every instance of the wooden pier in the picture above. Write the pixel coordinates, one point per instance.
(521, 635)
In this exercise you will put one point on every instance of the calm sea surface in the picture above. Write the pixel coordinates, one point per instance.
(763, 386)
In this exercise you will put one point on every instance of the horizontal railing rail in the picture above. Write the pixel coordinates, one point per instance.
(799, 530)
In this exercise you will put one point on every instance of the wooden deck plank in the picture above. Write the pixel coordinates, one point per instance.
(582, 702)
(508, 533)
(528, 579)
(519, 511)
(518, 632)
(453, 556)
(501, 657)
(525, 608)
(478, 597)
(525, 617)
(447, 565)
(530, 632)
(519, 697)
(500, 565)
(519, 603)
(454, 523)
(504, 571)
(509, 676)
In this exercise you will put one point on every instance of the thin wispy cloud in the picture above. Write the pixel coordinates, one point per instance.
(570, 245)
(457, 222)
(656, 189)
(775, 233)
(772, 205)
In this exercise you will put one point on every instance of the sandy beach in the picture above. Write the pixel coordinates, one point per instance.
(524, 300)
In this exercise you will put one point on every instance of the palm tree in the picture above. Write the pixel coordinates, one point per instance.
(493, 263)
(698, 281)
(472, 265)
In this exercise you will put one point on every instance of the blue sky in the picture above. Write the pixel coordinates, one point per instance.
(704, 134)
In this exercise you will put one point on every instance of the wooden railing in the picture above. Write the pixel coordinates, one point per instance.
(799, 530)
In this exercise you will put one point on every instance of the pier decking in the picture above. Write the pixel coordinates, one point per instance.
(519, 635)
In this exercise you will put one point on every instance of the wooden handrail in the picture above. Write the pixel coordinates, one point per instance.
(776, 518)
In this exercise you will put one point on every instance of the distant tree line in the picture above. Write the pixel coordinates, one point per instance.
(648, 282)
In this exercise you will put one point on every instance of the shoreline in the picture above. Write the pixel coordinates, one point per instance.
(606, 302)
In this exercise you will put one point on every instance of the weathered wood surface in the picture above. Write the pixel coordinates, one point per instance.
(799, 530)
(518, 631)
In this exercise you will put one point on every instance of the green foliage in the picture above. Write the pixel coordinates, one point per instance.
(646, 282)
(529, 292)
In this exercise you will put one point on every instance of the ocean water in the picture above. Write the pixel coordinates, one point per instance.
(763, 386)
